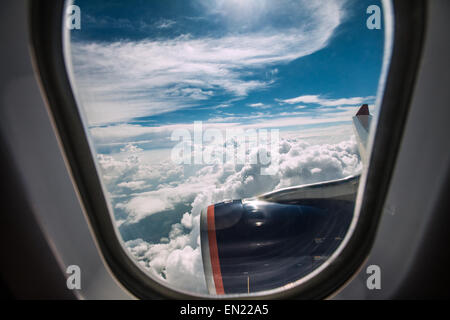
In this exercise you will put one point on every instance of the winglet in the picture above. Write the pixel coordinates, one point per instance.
(363, 111)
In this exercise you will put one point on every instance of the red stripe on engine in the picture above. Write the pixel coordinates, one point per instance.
(214, 253)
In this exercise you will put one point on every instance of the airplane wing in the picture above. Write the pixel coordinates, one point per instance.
(272, 240)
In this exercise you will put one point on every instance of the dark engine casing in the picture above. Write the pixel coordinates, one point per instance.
(254, 245)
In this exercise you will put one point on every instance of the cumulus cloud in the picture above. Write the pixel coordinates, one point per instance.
(177, 257)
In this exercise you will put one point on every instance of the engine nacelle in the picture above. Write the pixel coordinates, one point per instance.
(255, 245)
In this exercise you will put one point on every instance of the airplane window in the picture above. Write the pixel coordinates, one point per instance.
(229, 135)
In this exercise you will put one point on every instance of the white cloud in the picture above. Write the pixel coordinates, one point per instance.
(177, 258)
(259, 105)
(165, 24)
(317, 99)
(133, 185)
(127, 79)
(160, 135)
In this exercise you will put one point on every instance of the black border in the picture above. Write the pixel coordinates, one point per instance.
(45, 25)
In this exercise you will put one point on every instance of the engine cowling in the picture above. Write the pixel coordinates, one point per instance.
(256, 245)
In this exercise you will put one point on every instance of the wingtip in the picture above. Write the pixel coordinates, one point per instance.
(363, 111)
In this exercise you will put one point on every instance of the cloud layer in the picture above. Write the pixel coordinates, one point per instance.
(316, 99)
(150, 189)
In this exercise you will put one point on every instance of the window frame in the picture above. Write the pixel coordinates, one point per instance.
(46, 40)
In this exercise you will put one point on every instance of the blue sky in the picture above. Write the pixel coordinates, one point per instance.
(287, 64)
